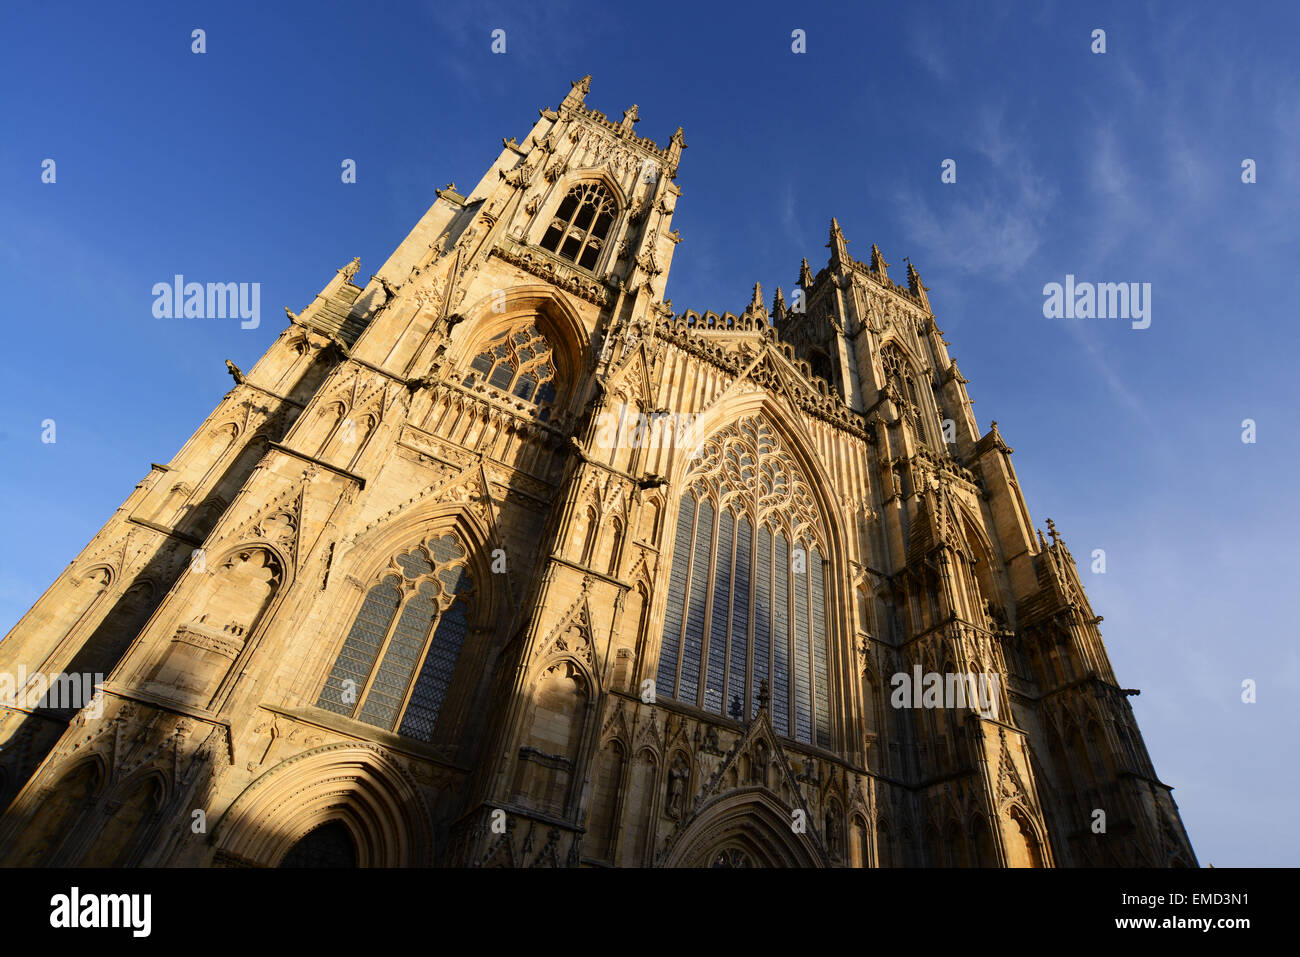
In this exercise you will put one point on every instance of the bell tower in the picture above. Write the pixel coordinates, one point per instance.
(494, 559)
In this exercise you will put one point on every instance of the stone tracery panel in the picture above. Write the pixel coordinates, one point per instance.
(396, 664)
(746, 466)
(745, 626)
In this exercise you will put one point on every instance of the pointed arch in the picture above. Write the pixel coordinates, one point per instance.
(119, 841)
(614, 546)
(750, 820)
(885, 852)
(606, 798)
(1024, 841)
(549, 310)
(797, 443)
(559, 721)
(637, 839)
(419, 608)
(356, 783)
(413, 523)
(582, 223)
(55, 812)
(737, 507)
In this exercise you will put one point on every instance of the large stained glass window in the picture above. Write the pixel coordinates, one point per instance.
(747, 594)
(581, 224)
(518, 362)
(396, 663)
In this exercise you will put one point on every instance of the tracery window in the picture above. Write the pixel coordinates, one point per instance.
(731, 857)
(898, 373)
(581, 224)
(397, 661)
(518, 361)
(747, 588)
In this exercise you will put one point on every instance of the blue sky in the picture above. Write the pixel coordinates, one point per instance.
(1115, 167)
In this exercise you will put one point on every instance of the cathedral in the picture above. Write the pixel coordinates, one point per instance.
(498, 560)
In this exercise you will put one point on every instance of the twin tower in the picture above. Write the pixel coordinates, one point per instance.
(495, 559)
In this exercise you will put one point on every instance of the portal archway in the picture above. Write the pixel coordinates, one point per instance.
(355, 785)
(745, 828)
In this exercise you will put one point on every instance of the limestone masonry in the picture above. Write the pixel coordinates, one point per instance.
(496, 559)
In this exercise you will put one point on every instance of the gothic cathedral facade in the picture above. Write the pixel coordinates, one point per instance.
(496, 560)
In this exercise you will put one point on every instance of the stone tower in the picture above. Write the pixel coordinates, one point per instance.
(495, 559)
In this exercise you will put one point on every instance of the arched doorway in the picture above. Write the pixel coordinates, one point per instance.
(746, 828)
(330, 845)
(356, 787)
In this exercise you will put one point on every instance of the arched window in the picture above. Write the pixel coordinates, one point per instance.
(748, 525)
(894, 365)
(396, 664)
(899, 374)
(581, 224)
(615, 546)
(1023, 849)
(518, 362)
(591, 532)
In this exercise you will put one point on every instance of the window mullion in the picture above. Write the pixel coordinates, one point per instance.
(750, 631)
(711, 600)
(686, 599)
(407, 594)
(730, 602)
(419, 662)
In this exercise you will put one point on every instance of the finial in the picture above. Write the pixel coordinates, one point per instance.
(764, 695)
(675, 147)
(838, 244)
(878, 264)
(778, 304)
(1051, 530)
(577, 95)
(756, 301)
(805, 276)
(914, 284)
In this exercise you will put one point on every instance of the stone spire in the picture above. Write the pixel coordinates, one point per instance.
(778, 305)
(756, 309)
(914, 283)
(805, 277)
(577, 96)
(839, 246)
(878, 264)
(675, 146)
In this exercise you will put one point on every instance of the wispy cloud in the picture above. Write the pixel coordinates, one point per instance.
(924, 46)
(990, 222)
